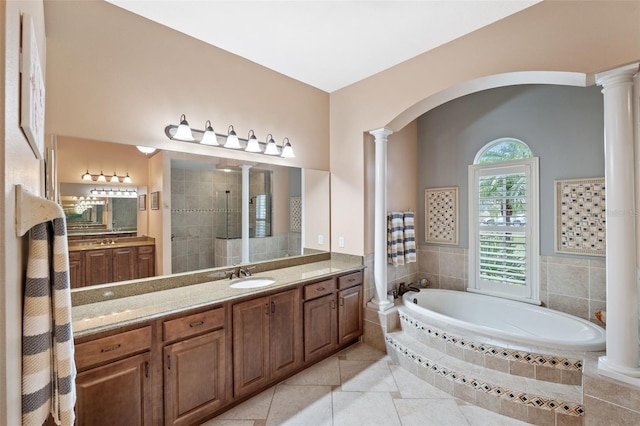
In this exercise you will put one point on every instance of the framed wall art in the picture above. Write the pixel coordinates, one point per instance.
(441, 215)
(580, 225)
(31, 89)
(155, 200)
(142, 202)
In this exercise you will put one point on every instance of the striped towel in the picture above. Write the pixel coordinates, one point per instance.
(409, 238)
(48, 367)
(395, 238)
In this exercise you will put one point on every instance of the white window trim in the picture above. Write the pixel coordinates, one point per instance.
(531, 168)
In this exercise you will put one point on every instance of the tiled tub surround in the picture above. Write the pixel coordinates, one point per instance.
(567, 284)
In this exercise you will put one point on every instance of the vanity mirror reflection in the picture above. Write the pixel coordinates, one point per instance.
(197, 221)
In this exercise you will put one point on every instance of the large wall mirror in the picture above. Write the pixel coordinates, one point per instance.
(190, 205)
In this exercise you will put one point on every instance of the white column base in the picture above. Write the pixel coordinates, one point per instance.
(627, 375)
(380, 305)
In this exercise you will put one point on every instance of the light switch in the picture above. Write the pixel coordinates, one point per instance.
(340, 241)
(320, 239)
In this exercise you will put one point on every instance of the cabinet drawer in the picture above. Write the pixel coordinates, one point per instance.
(193, 324)
(75, 256)
(311, 291)
(350, 280)
(145, 249)
(112, 347)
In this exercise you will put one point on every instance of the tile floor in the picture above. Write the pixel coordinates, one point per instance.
(358, 386)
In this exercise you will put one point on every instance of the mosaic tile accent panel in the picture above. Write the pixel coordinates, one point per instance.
(441, 215)
(524, 398)
(496, 351)
(295, 214)
(580, 225)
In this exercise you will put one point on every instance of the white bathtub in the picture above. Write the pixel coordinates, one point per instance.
(514, 324)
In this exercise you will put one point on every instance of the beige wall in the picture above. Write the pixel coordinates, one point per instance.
(316, 209)
(550, 36)
(19, 165)
(115, 76)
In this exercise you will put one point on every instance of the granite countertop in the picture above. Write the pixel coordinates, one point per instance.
(81, 245)
(110, 314)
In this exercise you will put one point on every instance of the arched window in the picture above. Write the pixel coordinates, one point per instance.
(503, 228)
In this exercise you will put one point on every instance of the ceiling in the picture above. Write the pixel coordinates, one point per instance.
(327, 44)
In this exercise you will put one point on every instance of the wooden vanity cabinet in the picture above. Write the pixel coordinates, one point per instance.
(267, 340)
(124, 263)
(332, 314)
(100, 266)
(195, 368)
(146, 260)
(97, 267)
(76, 269)
(114, 379)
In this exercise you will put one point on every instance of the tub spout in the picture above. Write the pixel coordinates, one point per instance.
(412, 287)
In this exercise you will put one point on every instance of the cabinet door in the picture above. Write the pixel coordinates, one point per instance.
(285, 333)
(115, 393)
(124, 263)
(320, 326)
(194, 378)
(349, 314)
(76, 269)
(97, 267)
(146, 262)
(250, 345)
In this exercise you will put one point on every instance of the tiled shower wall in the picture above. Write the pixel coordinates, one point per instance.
(572, 285)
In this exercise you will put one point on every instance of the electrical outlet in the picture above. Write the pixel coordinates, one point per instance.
(341, 242)
(320, 239)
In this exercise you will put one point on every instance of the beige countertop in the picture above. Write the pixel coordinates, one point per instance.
(109, 314)
(81, 245)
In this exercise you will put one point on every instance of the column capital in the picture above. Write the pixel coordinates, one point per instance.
(381, 134)
(618, 75)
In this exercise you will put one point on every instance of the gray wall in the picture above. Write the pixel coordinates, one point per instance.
(562, 125)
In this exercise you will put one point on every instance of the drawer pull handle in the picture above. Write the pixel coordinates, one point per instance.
(351, 280)
(112, 348)
(321, 289)
(196, 324)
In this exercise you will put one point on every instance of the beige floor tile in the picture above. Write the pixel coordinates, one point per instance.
(412, 387)
(374, 376)
(423, 412)
(364, 408)
(325, 372)
(255, 408)
(362, 352)
(301, 405)
(223, 422)
(477, 416)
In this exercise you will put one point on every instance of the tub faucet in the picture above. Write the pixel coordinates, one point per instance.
(402, 288)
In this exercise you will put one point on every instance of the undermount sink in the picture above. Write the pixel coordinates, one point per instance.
(252, 282)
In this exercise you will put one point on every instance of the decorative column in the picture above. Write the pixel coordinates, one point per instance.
(622, 359)
(380, 300)
(245, 213)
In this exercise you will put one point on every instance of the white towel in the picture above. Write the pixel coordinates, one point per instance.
(409, 234)
(395, 239)
(48, 367)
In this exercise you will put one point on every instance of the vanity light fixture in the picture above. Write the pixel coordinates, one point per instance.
(232, 139)
(87, 176)
(101, 177)
(114, 178)
(127, 178)
(287, 151)
(252, 143)
(182, 132)
(272, 148)
(209, 136)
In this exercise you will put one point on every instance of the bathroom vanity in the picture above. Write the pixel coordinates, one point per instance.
(179, 356)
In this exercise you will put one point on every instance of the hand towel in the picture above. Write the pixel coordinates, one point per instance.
(48, 367)
(395, 239)
(409, 235)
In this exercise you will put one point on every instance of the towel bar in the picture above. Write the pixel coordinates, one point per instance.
(32, 210)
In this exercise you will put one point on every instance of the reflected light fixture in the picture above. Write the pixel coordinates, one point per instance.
(87, 176)
(184, 131)
(145, 149)
(127, 178)
(287, 151)
(209, 136)
(101, 177)
(272, 148)
(114, 178)
(252, 143)
(232, 139)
